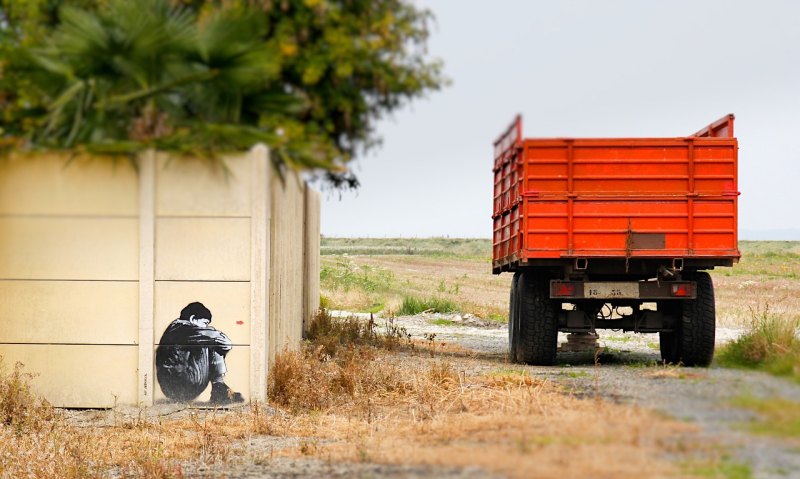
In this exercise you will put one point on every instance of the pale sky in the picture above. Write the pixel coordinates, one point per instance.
(584, 69)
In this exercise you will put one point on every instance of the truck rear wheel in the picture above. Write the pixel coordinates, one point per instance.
(693, 341)
(513, 319)
(698, 324)
(537, 320)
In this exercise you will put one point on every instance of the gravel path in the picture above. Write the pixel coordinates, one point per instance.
(629, 372)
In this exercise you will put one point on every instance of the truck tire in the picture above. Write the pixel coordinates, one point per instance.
(698, 324)
(513, 319)
(692, 343)
(537, 320)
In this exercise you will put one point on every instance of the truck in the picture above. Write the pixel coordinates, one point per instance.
(614, 233)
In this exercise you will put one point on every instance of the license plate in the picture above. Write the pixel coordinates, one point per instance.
(611, 290)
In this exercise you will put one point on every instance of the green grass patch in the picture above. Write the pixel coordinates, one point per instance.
(619, 339)
(776, 416)
(654, 345)
(497, 318)
(723, 468)
(413, 305)
(441, 322)
(768, 259)
(769, 344)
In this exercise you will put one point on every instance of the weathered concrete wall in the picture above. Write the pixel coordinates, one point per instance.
(69, 276)
(311, 250)
(96, 259)
(286, 272)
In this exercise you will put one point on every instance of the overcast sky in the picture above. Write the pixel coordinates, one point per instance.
(584, 68)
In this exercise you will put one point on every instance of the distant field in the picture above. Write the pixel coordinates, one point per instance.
(436, 247)
(378, 274)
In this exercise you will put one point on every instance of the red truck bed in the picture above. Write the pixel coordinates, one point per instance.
(566, 198)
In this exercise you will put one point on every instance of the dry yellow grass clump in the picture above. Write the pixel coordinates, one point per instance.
(356, 401)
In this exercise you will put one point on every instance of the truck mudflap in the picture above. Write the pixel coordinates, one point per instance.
(611, 290)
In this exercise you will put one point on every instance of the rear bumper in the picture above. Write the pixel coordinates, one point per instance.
(613, 290)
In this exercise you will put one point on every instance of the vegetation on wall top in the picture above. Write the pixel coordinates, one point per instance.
(307, 77)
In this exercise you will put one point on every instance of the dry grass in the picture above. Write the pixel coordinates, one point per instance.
(409, 408)
(508, 424)
(359, 402)
(674, 371)
(20, 410)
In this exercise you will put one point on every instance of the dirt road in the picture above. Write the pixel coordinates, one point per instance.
(629, 372)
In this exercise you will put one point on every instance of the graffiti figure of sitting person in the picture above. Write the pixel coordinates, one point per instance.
(191, 354)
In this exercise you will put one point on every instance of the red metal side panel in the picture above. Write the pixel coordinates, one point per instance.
(720, 128)
(643, 197)
(507, 195)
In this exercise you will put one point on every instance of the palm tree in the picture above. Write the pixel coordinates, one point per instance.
(149, 74)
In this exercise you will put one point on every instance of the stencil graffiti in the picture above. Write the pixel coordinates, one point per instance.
(190, 355)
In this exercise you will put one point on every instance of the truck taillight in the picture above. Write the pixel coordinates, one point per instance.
(563, 289)
(681, 289)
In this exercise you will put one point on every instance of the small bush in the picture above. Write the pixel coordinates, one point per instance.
(413, 305)
(19, 408)
(357, 379)
(341, 365)
(770, 343)
(330, 334)
(309, 379)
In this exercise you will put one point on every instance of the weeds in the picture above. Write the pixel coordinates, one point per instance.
(19, 408)
(329, 333)
(361, 284)
(413, 305)
(339, 365)
(770, 343)
(441, 322)
(346, 275)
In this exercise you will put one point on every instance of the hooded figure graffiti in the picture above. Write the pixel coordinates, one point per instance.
(191, 354)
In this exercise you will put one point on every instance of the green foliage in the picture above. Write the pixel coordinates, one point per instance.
(770, 343)
(307, 77)
(413, 305)
(346, 275)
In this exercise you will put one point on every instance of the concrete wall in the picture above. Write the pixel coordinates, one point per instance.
(97, 258)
